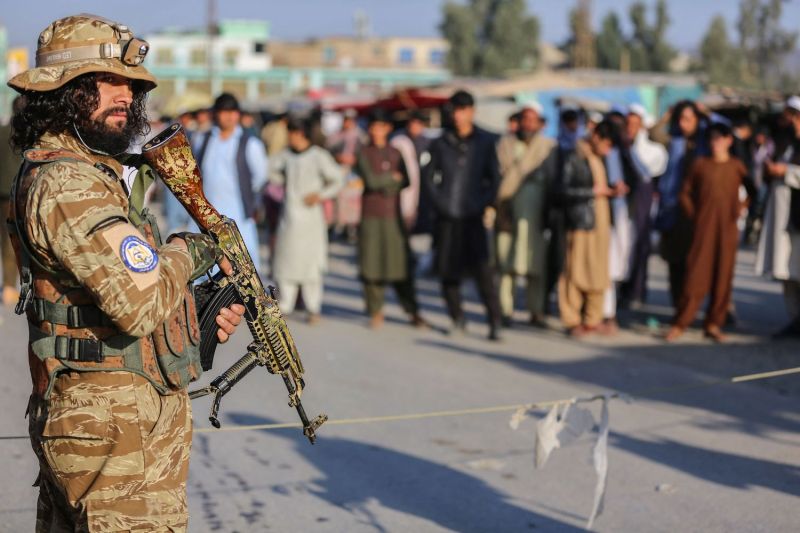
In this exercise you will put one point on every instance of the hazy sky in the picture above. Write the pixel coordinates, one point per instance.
(299, 19)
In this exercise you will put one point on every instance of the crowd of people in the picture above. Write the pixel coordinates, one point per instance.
(572, 219)
(114, 340)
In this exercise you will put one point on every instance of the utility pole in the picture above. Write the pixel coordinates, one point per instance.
(211, 33)
(361, 25)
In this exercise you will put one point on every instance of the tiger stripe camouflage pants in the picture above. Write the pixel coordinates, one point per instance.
(113, 454)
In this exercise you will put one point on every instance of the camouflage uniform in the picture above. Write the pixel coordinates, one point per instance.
(112, 322)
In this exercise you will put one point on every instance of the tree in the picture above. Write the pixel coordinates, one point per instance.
(763, 43)
(580, 47)
(717, 55)
(661, 53)
(638, 43)
(490, 37)
(756, 59)
(648, 45)
(458, 28)
(513, 39)
(610, 43)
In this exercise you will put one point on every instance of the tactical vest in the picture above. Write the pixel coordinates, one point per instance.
(67, 331)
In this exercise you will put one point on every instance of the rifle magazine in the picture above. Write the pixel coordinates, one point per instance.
(219, 297)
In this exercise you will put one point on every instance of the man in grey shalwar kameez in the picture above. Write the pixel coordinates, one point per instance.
(522, 211)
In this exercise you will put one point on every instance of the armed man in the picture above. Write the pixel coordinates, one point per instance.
(112, 321)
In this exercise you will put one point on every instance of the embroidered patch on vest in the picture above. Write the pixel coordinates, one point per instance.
(137, 255)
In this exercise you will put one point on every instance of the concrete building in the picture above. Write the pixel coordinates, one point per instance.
(420, 54)
(235, 60)
(241, 59)
(10, 65)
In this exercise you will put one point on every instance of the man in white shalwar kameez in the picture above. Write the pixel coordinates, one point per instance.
(649, 160)
(620, 242)
(309, 175)
(779, 246)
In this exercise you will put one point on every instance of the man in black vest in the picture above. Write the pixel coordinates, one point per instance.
(234, 167)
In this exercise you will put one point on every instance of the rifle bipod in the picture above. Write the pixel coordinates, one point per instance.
(223, 383)
(309, 428)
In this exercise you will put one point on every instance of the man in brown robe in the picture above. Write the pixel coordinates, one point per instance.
(710, 198)
(585, 193)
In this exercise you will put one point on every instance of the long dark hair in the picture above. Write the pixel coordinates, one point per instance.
(675, 117)
(56, 111)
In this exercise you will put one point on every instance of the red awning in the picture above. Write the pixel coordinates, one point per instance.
(400, 100)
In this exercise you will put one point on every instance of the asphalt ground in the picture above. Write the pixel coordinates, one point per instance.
(721, 458)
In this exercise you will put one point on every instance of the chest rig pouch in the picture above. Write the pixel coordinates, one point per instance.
(177, 340)
(67, 331)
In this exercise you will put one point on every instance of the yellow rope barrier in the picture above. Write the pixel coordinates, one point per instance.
(486, 410)
(505, 408)
(765, 375)
(375, 419)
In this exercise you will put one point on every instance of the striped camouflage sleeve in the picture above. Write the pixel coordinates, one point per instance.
(81, 224)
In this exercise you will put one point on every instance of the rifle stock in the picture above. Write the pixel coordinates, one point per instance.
(170, 155)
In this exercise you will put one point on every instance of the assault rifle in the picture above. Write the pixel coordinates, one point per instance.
(273, 347)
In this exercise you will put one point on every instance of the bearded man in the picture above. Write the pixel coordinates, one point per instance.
(528, 165)
(111, 316)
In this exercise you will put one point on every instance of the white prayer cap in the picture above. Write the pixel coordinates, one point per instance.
(535, 106)
(793, 103)
(595, 117)
(639, 110)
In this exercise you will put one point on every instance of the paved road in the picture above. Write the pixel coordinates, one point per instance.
(718, 459)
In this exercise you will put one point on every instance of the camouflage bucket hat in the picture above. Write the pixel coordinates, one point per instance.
(75, 45)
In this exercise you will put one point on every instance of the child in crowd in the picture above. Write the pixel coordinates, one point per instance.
(709, 197)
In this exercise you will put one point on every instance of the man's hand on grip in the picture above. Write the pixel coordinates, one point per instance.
(204, 251)
(227, 320)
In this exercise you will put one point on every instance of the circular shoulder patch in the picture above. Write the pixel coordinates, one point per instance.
(137, 255)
